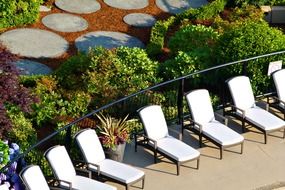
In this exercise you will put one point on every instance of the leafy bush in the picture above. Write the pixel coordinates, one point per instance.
(18, 12)
(57, 104)
(160, 29)
(109, 74)
(240, 3)
(11, 92)
(185, 63)
(237, 16)
(157, 35)
(192, 37)
(247, 40)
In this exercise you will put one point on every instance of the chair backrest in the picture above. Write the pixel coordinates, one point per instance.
(33, 178)
(279, 81)
(90, 146)
(60, 162)
(241, 92)
(154, 122)
(200, 105)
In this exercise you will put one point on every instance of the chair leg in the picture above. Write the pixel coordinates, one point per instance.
(155, 156)
(178, 167)
(265, 137)
(198, 163)
(127, 186)
(200, 140)
(243, 125)
(136, 143)
(221, 152)
(143, 183)
(284, 133)
(241, 148)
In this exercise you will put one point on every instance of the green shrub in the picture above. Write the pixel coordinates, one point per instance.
(18, 12)
(22, 132)
(185, 63)
(192, 37)
(240, 3)
(238, 16)
(57, 104)
(160, 29)
(157, 35)
(247, 40)
(110, 74)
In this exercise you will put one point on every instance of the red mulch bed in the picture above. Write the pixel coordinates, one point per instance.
(107, 18)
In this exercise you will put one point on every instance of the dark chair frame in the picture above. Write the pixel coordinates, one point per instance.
(145, 143)
(200, 133)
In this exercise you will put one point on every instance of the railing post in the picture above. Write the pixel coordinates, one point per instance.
(244, 68)
(180, 102)
(68, 139)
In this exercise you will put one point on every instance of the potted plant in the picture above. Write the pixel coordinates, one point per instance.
(113, 133)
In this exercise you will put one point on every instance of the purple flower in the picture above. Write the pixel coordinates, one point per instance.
(15, 147)
(3, 177)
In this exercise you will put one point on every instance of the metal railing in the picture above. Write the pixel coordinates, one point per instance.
(169, 94)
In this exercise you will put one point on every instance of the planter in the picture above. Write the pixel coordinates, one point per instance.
(116, 154)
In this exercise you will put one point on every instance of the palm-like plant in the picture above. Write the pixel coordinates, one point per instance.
(112, 131)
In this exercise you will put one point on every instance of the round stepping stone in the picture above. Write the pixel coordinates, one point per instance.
(28, 67)
(127, 4)
(65, 22)
(178, 6)
(139, 20)
(78, 6)
(34, 43)
(44, 8)
(106, 39)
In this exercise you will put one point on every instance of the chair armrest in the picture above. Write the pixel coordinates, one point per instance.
(85, 171)
(279, 100)
(198, 124)
(222, 117)
(152, 140)
(178, 133)
(54, 183)
(97, 166)
(242, 111)
(69, 183)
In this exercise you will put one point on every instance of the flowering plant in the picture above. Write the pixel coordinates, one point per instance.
(112, 132)
(10, 177)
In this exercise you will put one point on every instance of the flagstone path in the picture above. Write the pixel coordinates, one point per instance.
(49, 42)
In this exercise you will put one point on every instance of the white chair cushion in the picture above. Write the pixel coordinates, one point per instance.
(221, 133)
(263, 119)
(279, 80)
(34, 178)
(4, 187)
(84, 183)
(176, 149)
(61, 163)
(90, 146)
(119, 171)
(154, 122)
(200, 106)
(241, 92)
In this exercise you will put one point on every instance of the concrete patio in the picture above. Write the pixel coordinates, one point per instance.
(261, 165)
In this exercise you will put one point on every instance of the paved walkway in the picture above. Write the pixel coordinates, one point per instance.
(260, 167)
(35, 43)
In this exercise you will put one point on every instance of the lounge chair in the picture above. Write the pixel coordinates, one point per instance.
(65, 173)
(279, 81)
(205, 123)
(246, 109)
(94, 156)
(158, 139)
(34, 179)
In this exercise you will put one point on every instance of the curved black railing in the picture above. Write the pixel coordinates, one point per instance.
(179, 89)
